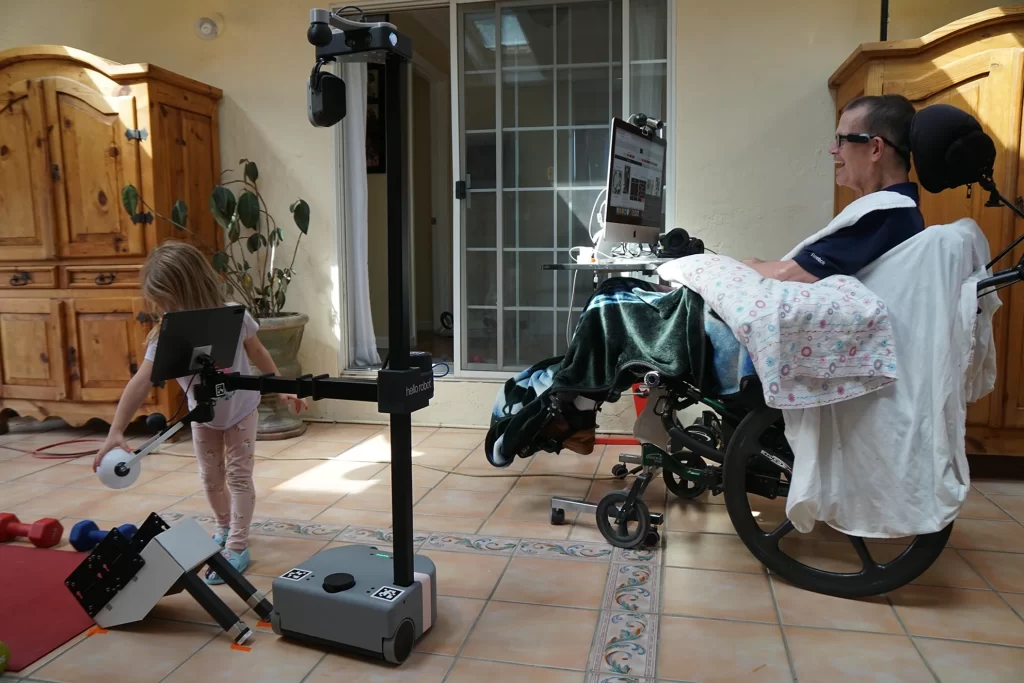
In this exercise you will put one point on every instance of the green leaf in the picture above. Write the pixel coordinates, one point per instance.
(245, 264)
(220, 262)
(222, 205)
(179, 214)
(247, 281)
(253, 243)
(130, 199)
(251, 172)
(300, 212)
(280, 235)
(249, 209)
(279, 300)
(234, 232)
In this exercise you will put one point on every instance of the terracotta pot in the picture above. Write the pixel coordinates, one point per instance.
(282, 336)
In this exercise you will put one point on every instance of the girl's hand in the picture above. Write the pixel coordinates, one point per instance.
(113, 440)
(294, 401)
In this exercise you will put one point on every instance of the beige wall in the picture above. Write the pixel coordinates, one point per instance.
(754, 116)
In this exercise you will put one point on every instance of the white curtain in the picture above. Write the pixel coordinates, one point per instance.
(646, 28)
(362, 341)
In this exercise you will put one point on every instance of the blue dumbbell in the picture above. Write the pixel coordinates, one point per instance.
(85, 535)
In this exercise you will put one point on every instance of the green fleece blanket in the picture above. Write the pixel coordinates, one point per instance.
(627, 328)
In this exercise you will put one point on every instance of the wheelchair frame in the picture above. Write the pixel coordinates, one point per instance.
(731, 436)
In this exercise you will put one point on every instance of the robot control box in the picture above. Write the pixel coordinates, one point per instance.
(345, 598)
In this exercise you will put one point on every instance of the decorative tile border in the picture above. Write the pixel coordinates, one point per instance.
(625, 645)
(568, 550)
(371, 535)
(616, 678)
(281, 527)
(632, 588)
(624, 555)
(468, 543)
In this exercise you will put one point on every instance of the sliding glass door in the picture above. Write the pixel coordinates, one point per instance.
(539, 84)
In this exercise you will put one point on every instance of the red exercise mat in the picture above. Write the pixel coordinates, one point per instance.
(38, 613)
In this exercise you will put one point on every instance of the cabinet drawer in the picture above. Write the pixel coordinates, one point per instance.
(32, 277)
(99, 277)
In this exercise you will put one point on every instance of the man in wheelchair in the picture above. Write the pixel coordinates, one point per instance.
(837, 376)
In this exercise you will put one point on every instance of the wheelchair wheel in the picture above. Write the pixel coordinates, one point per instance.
(684, 488)
(762, 428)
(634, 528)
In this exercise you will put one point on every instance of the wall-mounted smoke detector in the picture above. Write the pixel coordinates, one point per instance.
(210, 26)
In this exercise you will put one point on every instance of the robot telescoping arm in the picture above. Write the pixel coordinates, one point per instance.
(321, 22)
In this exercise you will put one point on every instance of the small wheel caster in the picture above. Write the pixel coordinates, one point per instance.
(632, 530)
(653, 539)
(620, 471)
(557, 516)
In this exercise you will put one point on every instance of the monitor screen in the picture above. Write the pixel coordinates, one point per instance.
(636, 177)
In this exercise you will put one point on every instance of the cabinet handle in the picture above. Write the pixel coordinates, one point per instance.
(105, 278)
(20, 279)
(133, 368)
(72, 356)
(55, 172)
(145, 318)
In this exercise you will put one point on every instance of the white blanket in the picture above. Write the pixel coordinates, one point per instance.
(893, 463)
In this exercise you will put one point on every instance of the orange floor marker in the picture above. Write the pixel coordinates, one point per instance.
(264, 624)
(243, 648)
(95, 630)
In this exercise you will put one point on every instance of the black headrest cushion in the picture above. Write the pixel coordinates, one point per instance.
(950, 148)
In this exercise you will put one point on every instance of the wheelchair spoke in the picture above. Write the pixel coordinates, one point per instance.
(865, 556)
(780, 531)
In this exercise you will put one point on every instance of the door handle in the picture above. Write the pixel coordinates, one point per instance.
(20, 279)
(105, 278)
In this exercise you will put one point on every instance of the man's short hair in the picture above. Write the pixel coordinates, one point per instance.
(889, 116)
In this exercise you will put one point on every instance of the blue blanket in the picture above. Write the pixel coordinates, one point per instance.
(731, 361)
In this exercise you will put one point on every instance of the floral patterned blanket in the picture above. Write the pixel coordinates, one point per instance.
(811, 344)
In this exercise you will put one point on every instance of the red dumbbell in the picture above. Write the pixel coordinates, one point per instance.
(44, 533)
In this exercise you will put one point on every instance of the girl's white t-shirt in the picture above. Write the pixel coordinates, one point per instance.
(237, 405)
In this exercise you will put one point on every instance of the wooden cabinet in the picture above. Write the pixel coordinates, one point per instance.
(975, 64)
(74, 130)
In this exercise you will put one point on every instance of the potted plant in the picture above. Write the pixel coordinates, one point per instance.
(261, 285)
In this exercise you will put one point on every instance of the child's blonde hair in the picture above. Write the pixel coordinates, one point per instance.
(178, 277)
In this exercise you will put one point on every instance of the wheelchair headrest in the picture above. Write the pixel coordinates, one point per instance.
(949, 148)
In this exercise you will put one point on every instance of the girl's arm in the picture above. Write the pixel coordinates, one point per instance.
(260, 357)
(135, 393)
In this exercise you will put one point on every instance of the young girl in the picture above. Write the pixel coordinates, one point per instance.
(177, 277)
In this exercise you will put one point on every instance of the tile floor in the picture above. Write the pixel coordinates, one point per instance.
(522, 600)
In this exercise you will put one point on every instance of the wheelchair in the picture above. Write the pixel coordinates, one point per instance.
(738, 447)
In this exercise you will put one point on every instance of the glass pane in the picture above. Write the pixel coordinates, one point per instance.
(508, 99)
(535, 332)
(563, 198)
(481, 159)
(590, 97)
(561, 340)
(536, 159)
(536, 285)
(589, 156)
(535, 106)
(482, 336)
(481, 278)
(590, 33)
(562, 35)
(536, 219)
(616, 29)
(508, 160)
(479, 101)
(582, 208)
(648, 35)
(617, 92)
(508, 226)
(480, 227)
(509, 283)
(647, 87)
(479, 42)
(527, 36)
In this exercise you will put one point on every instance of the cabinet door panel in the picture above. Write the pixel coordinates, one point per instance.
(26, 217)
(31, 343)
(106, 347)
(186, 146)
(988, 85)
(96, 159)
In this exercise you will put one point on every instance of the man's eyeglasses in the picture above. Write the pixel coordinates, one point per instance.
(864, 138)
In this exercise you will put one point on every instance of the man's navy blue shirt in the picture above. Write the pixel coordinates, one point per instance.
(846, 251)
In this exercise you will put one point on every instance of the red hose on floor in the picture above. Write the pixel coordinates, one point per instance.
(38, 452)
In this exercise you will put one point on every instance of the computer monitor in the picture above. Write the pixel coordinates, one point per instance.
(634, 208)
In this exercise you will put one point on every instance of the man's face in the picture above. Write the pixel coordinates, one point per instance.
(856, 163)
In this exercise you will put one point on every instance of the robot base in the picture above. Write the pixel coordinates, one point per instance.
(345, 598)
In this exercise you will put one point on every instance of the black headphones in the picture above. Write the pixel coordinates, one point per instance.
(678, 243)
